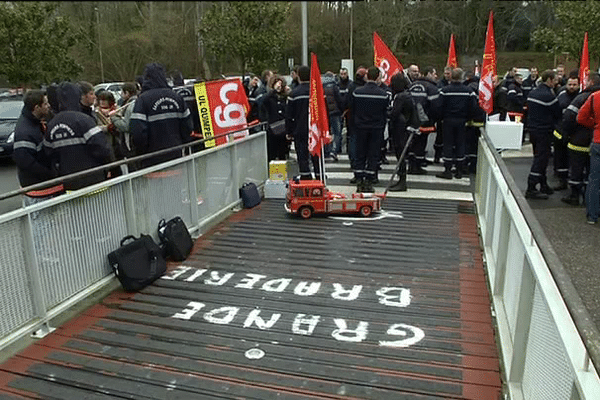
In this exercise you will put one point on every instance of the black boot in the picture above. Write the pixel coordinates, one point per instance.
(447, 174)
(360, 185)
(416, 169)
(573, 198)
(369, 186)
(399, 186)
(562, 185)
(533, 193)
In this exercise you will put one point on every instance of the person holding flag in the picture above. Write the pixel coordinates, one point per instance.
(369, 108)
(318, 123)
(296, 124)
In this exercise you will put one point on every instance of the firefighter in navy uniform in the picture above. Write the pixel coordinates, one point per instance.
(74, 142)
(473, 127)
(561, 152)
(425, 92)
(544, 113)
(296, 124)
(160, 117)
(578, 139)
(369, 109)
(459, 103)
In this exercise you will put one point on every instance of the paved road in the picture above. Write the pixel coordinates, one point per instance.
(8, 183)
(574, 241)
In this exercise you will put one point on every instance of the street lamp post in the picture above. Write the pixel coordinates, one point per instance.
(99, 47)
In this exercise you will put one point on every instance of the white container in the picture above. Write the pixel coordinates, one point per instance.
(505, 135)
(275, 189)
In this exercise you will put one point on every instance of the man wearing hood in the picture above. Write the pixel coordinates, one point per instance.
(160, 117)
(74, 142)
(33, 166)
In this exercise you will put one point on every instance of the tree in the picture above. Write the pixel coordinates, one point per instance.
(253, 34)
(573, 19)
(34, 44)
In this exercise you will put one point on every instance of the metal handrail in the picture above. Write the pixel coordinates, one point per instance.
(586, 328)
(80, 174)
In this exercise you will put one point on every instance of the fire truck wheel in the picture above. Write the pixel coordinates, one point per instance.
(306, 212)
(366, 211)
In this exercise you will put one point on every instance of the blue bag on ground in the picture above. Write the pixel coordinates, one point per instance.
(249, 194)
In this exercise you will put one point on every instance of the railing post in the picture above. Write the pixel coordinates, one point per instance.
(37, 291)
(193, 192)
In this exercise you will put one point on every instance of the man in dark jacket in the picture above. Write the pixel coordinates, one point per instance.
(335, 103)
(561, 152)
(459, 103)
(33, 166)
(544, 113)
(425, 92)
(578, 139)
(74, 142)
(160, 118)
(88, 98)
(296, 124)
(369, 108)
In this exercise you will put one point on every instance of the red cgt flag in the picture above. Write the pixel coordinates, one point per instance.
(488, 69)
(385, 60)
(452, 54)
(584, 66)
(318, 121)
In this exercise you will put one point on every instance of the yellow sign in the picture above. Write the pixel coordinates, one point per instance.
(206, 126)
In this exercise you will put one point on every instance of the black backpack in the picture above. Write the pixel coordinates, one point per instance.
(175, 238)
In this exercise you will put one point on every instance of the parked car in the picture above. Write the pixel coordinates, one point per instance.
(114, 87)
(10, 111)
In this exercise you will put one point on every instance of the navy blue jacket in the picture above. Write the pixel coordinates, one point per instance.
(74, 142)
(369, 107)
(296, 112)
(544, 111)
(160, 118)
(33, 166)
(425, 92)
(572, 132)
(515, 97)
(458, 102)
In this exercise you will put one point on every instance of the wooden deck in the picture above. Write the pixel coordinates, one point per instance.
(270, 306)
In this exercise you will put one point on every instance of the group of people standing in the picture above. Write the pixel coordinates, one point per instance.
(563, 123)
(68, 129)
(377, 117)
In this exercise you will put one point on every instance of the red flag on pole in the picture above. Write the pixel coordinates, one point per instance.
(318, 122)
(452, 54)
(584, 66)
(488, 69)
(385, 60)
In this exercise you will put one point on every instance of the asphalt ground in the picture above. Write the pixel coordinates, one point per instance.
(574, 240)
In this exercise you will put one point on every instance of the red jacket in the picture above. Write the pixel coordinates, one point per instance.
(589, 115)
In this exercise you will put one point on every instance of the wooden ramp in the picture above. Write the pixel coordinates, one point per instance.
(270, 306)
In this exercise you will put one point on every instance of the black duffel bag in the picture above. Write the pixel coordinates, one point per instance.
(138, 262)
(176, 239)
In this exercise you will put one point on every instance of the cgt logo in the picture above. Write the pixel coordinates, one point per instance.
(230, 113)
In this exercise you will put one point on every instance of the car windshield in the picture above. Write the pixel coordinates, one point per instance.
(10, 109)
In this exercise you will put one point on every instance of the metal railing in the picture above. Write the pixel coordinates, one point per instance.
(549, 346)
(54, 253)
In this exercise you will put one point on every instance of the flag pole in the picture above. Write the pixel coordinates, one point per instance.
(322, 161)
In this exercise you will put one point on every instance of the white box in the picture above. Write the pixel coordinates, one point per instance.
(505, 134)
(275, 189)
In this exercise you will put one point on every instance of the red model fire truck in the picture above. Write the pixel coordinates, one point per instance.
(308, 197)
